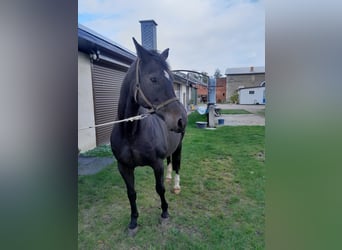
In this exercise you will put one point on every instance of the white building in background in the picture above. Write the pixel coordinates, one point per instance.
(253, 95)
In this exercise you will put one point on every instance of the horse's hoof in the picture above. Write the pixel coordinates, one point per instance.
(132, 232)
(164, 221)
(176, 190)
(168, 180)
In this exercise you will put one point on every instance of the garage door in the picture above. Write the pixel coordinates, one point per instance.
(107, 81)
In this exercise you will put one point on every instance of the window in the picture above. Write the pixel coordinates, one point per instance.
(251, 92)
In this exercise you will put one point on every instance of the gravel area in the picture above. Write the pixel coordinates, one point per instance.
(254, 119)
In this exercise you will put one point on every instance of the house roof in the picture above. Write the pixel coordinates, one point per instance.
(245, 70)
(255, 87)
(261, 85)
(180, 78)
(90, 41)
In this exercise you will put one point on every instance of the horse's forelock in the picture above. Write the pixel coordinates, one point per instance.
(155, 55)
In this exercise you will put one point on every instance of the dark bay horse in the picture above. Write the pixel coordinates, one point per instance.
(148, 89)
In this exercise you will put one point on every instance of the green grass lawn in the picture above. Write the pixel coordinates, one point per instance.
(221, 205)
(234, 111)
(261, 112)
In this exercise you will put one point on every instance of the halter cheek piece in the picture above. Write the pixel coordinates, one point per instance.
(138, 90)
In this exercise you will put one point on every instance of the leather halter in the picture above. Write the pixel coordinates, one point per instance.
(138, 90)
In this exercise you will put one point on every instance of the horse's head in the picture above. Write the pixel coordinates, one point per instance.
(154, 88)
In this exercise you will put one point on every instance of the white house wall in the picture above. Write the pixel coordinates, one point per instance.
(86, 137)
(257, 97)
(189, 95)
(183, 94)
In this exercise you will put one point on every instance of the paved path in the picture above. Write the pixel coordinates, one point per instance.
(254, 119)
(242, 120)
(92, 165)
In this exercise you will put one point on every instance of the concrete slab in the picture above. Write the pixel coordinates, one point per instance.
(242, 120)
(254, 119)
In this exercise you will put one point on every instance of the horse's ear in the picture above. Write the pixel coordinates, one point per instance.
(141, 51)
(165, 54)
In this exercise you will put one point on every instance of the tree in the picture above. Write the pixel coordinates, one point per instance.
(204, 77)
(217, 73)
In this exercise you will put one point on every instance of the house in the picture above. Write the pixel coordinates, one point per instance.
(221, 89)
(102, 66)
(244, 77)
(202, 92)
(185, 88)
(253, 95)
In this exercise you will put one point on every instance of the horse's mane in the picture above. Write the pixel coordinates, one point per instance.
(124, 92)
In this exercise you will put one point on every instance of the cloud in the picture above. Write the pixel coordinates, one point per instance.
(202, 34)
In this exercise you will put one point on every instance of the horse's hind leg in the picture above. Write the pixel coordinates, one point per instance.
(127, 174)
(160, 188)
(168, 170)
(176, 160)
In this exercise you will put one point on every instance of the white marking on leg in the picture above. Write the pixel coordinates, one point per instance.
(169, 171)
(177, 182)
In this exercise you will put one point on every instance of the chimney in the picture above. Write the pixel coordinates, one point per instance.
(149, 34)
(251, 69)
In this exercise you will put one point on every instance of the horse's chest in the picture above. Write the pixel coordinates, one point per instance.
(147, 146)
(148, 150)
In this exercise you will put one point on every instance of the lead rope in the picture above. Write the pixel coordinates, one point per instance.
(130, 119)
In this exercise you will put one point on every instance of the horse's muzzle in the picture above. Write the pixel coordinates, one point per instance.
(175, 116)
(181, 122)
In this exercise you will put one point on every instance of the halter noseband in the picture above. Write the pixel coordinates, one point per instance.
(138, 90)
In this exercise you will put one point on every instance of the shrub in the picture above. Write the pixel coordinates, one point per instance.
(235, 98)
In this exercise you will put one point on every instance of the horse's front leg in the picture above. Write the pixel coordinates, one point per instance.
(127, 174)
(160, 188)
(176, 161)
(168, 170)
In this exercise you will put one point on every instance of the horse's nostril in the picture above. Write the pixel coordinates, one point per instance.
(180, 123)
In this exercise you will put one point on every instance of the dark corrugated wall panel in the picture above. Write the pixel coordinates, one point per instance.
(107, 83)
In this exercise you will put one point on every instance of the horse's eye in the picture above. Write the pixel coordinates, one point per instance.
(153, 79)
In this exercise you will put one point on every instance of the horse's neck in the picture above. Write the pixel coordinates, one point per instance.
(131, 108)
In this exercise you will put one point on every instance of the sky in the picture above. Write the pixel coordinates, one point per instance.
(202, 35)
